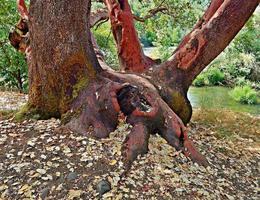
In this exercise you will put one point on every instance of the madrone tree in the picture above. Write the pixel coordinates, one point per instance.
(68, 77)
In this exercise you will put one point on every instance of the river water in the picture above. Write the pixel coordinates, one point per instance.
(218, 98)
(213, 97)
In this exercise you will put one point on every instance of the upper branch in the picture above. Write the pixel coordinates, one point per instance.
(130, 52)
(150, 14)
(219, 25)
(22, 9)
(97, 16)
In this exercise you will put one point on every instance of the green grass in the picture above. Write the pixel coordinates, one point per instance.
(244, 94)
(6, 114)
(227, 124)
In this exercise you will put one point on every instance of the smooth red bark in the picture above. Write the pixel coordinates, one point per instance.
(213, 7)
(22, 9)
(130, 52)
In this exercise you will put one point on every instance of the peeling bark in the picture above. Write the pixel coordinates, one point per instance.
(23, 11)
(208, 39)
(130, 52)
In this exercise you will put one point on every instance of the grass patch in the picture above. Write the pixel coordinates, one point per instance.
(27, 112)
(244, 94)
(226, 124)
(213, 76)
(6, 114)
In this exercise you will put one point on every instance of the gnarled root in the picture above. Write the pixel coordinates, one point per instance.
(145, 110)
(136, 143)
(148, 113)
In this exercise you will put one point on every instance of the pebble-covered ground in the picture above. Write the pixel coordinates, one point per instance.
(11, 100)
(39, 160)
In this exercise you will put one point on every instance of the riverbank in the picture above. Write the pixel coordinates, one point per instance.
(217, 97)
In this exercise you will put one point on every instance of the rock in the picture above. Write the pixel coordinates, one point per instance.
(44, 193)
(72, 176)
(41, 171)
(103, 187)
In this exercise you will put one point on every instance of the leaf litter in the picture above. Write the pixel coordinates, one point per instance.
(37, 157)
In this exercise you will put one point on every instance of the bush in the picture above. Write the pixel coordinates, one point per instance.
(244, 94)
(215, 76)
(200, 80)
(105, 41)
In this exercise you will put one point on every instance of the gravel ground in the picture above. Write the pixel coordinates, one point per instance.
(11, 100)
(39, 160)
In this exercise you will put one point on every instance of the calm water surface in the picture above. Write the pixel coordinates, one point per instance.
(218, 97)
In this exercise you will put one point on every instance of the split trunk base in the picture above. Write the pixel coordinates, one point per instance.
(95, 113)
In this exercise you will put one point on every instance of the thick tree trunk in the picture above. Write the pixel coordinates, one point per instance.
(61, 61)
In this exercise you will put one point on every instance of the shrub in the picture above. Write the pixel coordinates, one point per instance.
(200, 81)
(106, 44)
(215, 76)
(244, 94)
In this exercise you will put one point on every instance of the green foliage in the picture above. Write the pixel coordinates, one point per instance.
(161, 52)
(212, 76)
(248, 38)
(244, 94)
(13, 68)
(239, 61)
(106, 43)
(200, 81)
(215, 76)
(167, 29)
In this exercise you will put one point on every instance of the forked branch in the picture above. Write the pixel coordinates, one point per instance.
(210, 36)
(130, 52)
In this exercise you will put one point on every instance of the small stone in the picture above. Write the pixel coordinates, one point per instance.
(43, 156)
(72, 176)
(103, 187)
(44, 193)
(41, 171)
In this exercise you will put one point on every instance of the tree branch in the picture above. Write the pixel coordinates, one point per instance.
(97, 16)
(151, 12)
(219, 25)
(130, 52)
(23, 11)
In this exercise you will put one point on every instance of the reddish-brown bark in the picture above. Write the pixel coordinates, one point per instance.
(213, 7)
(62, 57)
(22, 9)
(130, 53)
(206, 41)
(19, 37)
(67, 80)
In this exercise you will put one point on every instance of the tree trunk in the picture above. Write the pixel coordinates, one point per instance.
(67, 80)
(61, 60)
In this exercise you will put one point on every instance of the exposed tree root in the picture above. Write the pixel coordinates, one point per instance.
(145, 110)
